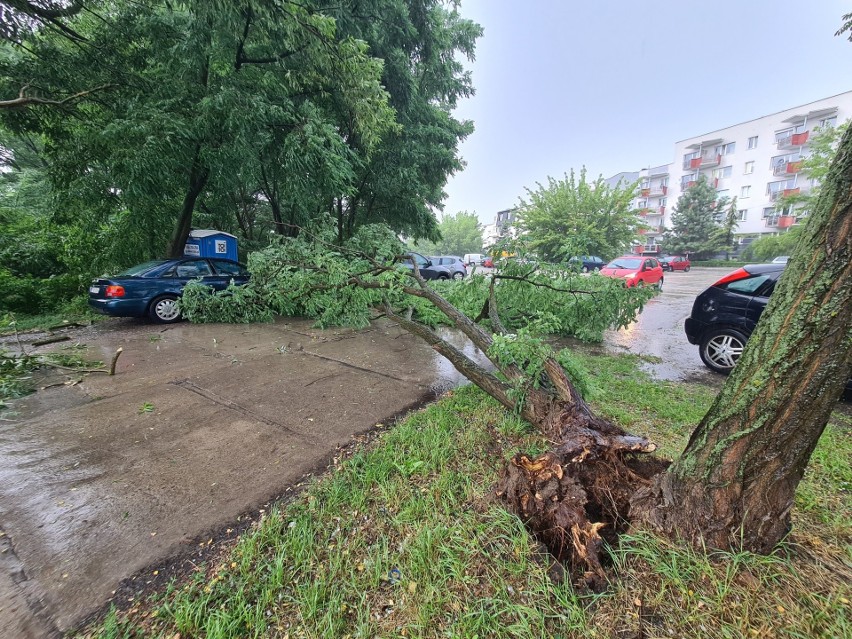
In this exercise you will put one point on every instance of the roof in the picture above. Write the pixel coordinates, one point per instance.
(199, 233)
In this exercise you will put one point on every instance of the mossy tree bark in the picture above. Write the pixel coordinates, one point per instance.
(734, 484)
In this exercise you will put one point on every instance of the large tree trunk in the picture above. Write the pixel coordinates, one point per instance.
(734, 484)
(197, 179)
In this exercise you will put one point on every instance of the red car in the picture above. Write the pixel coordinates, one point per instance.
(635, 270)
(676, 263)
(488, 262)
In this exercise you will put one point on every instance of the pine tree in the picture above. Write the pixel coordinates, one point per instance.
(695, 221)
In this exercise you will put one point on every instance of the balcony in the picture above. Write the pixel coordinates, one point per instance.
(656, 191)
(710, 160)
(645, 192)
(786, 221)
(641, 249)
(792, 140)
(787, 168)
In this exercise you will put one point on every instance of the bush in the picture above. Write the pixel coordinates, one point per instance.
(33, 295)
(730, 263)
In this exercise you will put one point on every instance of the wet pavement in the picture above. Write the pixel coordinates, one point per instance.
(201, 423)
(103, 478)
(658, 332)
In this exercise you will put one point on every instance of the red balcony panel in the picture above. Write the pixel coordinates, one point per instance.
(794, 167)
(695, 163)
(690, 184)
(646, 192)
(643, 231)
(800, 138)
(789, 192)
(785, 221)
(662, 210)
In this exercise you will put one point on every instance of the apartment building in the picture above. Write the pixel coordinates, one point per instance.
(757, 162)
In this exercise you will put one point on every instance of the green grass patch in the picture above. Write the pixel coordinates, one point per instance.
(404, 539)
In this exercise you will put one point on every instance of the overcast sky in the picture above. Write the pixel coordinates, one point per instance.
(613, 84)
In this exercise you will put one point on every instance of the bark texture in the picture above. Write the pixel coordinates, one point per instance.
(734, 485)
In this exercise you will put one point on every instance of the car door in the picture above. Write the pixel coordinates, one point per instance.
(757, 304)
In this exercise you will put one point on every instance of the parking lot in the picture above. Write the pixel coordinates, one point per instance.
(201, 427)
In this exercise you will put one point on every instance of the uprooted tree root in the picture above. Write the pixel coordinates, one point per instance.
(576, 498)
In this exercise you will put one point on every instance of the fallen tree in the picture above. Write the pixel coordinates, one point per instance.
(734, 484)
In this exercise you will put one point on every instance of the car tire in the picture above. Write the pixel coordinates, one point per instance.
(163, 309)
(686, 270)
(458, 275)
(443, 277)
(721, 349)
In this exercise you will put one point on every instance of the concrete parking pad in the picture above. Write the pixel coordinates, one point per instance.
(201, 422)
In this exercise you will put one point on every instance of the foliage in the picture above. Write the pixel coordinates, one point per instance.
(460, 234)
(822, 148)
(699, 221)
(766, 248)
(393, 521)
(569, 217)
(341, 285)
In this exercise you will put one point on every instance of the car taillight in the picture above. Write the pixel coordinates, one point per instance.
(739, 274)
(114, 291)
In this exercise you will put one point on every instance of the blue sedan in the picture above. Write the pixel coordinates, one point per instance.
(152, 289)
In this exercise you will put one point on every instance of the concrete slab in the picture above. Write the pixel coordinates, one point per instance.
(101, 479)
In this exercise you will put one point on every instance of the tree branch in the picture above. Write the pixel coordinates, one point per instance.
(25, 100)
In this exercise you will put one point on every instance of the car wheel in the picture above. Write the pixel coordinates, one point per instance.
(443, 276)
(660, 284)
(721, 349)
(164, 309)
(585, 269)
(458, 275)
(686, 270)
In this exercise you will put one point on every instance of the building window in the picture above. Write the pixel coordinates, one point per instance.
(741, 215)
(827, 123)
(752, 142)
(749, 168)
(745, 191)
(726, 149)
(724, 172)
(663, 201)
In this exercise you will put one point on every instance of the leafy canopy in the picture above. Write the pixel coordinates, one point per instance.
(577, 217)
(336, 285)
(460, 234)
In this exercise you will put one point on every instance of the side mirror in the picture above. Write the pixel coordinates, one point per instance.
(427, 264)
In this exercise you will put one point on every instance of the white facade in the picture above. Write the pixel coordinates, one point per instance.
(755, 162)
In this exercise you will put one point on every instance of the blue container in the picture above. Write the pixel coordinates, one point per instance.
(209, 243)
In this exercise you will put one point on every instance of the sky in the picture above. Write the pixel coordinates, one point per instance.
(613, 84)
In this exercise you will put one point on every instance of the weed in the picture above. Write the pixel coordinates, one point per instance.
(146, 407)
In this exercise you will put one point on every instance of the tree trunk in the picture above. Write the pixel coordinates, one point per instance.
(733, 486)
(197, 179)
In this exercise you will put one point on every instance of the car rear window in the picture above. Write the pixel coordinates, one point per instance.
(140, 269)
(224, 267)
(747, 286)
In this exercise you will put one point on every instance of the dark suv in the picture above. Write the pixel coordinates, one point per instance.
(724, 315)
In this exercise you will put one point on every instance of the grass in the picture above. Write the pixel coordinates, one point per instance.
(404, 539)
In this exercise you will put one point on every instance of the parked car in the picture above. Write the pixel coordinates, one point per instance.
(427, 269)
(153, 288)
(473, 259)
(587, 263)
(635, 270)
(488, 262)
(675, 263)
(725, 314)
(454, 264)
(781, 259)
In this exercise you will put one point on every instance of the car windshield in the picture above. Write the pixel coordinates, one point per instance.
(625, 262)
(140, 269)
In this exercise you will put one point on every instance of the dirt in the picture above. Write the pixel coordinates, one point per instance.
(200, 424)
